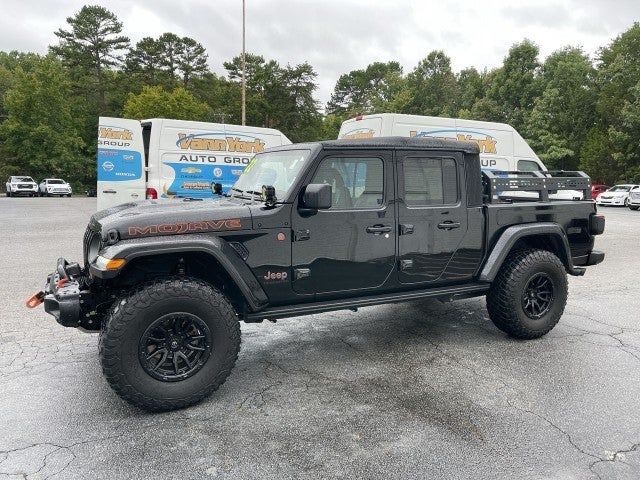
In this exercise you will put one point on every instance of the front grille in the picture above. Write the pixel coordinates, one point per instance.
(22, 185)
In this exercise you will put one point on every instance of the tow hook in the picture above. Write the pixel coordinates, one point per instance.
(36, 300)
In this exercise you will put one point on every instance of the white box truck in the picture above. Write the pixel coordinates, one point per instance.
(163, 158)
(501, 146)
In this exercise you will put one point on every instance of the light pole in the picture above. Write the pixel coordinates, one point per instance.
(244, 66)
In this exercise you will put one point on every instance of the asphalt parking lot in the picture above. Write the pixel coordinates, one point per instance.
(421, 390)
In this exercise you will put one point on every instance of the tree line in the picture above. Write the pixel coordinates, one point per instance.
(575, 111)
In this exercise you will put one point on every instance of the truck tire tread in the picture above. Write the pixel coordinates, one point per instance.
(127, 309)
(503, 299)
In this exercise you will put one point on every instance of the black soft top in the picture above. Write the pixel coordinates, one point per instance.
(390, 142)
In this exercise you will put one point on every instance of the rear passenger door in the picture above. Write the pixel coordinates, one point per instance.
(432, 216)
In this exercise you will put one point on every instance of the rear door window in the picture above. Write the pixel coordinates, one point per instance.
(430, 181)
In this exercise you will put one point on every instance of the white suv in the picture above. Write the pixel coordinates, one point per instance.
(617, 195)
(54, 186)
(17, 185)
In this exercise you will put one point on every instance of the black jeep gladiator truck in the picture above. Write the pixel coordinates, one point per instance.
(310, 228)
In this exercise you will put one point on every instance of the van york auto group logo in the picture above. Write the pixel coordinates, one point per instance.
(358, 134)
(219, 142)
(114, 136)
(487, 144)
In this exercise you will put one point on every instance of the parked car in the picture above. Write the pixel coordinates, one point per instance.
(18, 185)
(91, 192)
(54, 186)
(617, 195)
(597, 189)
(634, 199)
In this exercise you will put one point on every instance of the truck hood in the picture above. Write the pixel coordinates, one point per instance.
(151, 218)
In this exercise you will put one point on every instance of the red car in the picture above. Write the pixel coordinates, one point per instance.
(597, 189)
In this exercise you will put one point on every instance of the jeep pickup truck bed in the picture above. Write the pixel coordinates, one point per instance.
(314, 227)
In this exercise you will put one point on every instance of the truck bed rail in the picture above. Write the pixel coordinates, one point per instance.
(499, 182)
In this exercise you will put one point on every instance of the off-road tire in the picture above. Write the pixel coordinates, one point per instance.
(504, 300)
(129, 318)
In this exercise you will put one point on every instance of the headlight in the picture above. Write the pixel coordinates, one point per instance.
(109, 263)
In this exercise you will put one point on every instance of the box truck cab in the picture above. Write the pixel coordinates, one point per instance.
(163, 158)
(501, 146)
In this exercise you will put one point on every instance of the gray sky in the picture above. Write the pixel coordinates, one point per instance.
(337, 36)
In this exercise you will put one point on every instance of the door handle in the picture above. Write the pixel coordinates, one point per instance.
(109, 191)
(378, 229)
(448, 225)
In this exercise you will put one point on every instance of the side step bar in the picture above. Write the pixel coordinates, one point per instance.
(452, 293)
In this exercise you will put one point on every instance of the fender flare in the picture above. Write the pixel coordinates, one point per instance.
(216, 247)
(512, 234)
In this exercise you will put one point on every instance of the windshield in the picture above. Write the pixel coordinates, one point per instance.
(620, 188)
(279, 169)
(22, 179)
(55, 181)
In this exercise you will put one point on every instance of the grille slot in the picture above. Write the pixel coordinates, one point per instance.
(90, 242)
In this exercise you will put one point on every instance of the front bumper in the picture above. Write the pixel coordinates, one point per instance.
(66, 296)
(24, 191)
(618, 201)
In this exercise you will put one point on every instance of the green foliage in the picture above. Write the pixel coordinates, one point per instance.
(367, 90)
(40, 134)
(156, 102)
(618, 103)
(432, 87)
(563, 114)
(515, 86)
(279, 97)
(91, 46)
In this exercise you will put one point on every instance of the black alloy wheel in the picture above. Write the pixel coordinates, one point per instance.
(537, 297)
(175, 347)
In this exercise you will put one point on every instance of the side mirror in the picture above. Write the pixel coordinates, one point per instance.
(317, 196)
(269, 195)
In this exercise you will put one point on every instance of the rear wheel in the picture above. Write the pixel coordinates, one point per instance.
(169, 344)
(529, 294)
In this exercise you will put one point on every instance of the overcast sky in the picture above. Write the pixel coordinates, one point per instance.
(337, 36)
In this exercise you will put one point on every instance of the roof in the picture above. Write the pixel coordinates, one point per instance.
(403, 142)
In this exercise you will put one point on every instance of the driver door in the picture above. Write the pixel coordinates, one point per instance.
(350, 246)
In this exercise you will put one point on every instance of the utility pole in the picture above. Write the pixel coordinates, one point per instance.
(244, 67)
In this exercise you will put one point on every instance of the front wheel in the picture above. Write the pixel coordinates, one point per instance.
(169, 344)
(528, 296)
(633, 207)
(8, 193)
